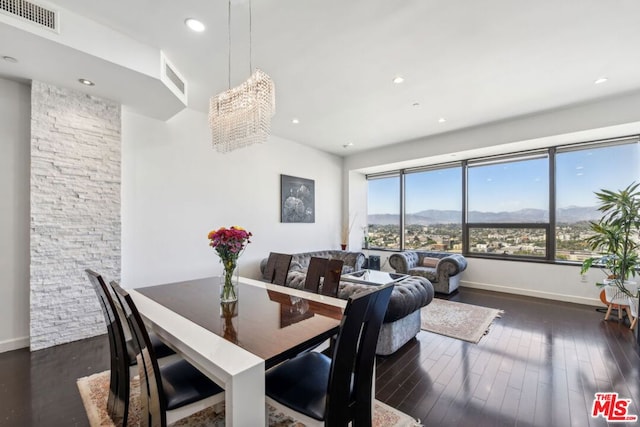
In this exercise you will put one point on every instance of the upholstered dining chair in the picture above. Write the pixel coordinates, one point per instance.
(333, 391)
(278, 267)
(118, 400)
(323, 270)
(173, 391)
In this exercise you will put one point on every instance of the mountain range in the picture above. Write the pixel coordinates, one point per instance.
(434, 216)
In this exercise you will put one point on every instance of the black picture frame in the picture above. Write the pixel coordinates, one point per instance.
(297, 199)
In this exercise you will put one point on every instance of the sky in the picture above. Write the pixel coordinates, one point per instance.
(513, 186)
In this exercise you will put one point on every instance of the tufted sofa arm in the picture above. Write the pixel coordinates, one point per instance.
(408, 295)
(445, 276)
(403, 261)
(451, 265)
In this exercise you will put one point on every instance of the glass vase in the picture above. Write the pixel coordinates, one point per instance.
(229, 285)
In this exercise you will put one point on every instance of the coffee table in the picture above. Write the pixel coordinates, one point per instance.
(373, 277)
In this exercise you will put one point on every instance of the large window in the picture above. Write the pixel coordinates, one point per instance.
(579, 173)
(535, 205)
(433, 210)
(384, 212)
(508, 206)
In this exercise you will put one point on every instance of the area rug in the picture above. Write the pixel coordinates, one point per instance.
(95, 389)
(458, 320)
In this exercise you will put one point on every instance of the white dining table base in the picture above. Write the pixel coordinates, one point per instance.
(240, 373)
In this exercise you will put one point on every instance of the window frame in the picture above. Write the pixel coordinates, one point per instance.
(423, 169)
(384, 175)
(550, 226)
(547, 154)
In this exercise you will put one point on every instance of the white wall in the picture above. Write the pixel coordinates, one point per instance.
(15, 112)
(176, 189)
(616, 116)
(355, 188)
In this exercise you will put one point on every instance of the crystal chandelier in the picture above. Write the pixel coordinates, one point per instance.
(241, 116)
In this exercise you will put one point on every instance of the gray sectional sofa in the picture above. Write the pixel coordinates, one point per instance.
(443, 269)
(402, 319)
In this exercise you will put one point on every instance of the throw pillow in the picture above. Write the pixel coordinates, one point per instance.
(430, 262)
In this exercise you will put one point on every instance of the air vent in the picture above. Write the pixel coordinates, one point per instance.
(171, 77)
(30, 12)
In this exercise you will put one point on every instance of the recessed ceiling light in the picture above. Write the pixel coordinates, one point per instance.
(442, 120)
(398, 80)
(295, 121)
(347, 145)
(601, 80)
(415, 104)
(194, 25)
(86, 82)
(10, 59)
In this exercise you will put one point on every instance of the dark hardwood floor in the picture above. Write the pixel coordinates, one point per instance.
(540, 365)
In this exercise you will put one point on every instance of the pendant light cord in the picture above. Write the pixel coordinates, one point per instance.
(250, 40)
(229, 40)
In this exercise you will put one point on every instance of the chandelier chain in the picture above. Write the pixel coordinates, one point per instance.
(229, 41)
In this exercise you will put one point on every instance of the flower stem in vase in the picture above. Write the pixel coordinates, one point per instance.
(229, 291)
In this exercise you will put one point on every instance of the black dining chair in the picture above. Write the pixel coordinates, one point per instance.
(162, 350)
(277, 268)
(323, 276)
(170, 392)
(333, 391)
(332, 274)
(122, 349)
(316, 269)
(118, 400)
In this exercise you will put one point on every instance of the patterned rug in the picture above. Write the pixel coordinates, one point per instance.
(95, 389)
(457, 320)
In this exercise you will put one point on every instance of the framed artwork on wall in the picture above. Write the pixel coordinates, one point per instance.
(297, 199)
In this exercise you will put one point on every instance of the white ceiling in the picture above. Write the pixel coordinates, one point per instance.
(333, 61)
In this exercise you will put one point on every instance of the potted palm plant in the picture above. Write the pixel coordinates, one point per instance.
(616, 238)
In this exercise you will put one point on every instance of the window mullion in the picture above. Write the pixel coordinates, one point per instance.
(402, 209)
(551, 237)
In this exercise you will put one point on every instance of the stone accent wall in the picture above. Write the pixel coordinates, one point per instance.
(75, 210)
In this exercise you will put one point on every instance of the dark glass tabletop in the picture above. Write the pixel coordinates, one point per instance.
(270, 323)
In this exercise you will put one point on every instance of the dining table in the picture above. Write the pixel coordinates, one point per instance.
(235, 343)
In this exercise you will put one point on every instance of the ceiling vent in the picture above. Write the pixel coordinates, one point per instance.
(30, 12)
(171, 78)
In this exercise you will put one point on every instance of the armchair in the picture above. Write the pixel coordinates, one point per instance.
(442, 269)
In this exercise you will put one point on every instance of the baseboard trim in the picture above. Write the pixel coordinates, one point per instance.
(533, 293)
(14, 344)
